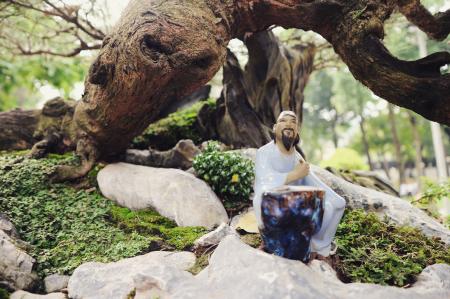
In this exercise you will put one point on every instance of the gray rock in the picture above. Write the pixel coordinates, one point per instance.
(214, 237)
(239, 271)
(324, 269)
(119, 279)
(26, 295)
(7, 226)
(15, 264)
(56, 282)
(174, 193)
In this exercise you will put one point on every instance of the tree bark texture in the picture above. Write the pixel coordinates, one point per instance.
(251, 100)
(42, 130)
(17, 128)
(161, 51)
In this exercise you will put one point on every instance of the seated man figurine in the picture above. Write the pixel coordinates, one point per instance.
(278, 163)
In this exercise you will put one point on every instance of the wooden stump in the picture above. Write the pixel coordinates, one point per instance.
(291, 215)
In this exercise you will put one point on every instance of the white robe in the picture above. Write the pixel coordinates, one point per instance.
(271, 170)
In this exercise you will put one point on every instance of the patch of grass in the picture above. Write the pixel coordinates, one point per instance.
(67, 227)
(165, 133)
(150, 223)
(376, 251)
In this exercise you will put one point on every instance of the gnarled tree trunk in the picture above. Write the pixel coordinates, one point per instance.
(274, 79)
(163, 50)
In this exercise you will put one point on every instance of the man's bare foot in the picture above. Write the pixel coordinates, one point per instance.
(313, 256)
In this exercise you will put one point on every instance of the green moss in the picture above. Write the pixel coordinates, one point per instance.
(254, 240)
(65, 226)
(379, 252)
(149, 222)
(165, 133)
(200, 263)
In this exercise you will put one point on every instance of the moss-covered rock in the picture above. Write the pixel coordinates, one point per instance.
(165, 133)
(67, 227)
(150, 223)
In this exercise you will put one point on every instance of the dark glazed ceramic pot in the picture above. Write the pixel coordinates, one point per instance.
(291, 215)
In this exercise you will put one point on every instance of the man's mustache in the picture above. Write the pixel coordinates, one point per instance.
(287, 129)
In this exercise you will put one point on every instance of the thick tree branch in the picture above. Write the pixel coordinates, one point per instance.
(419, 85)
(436, 26)
(162, 50)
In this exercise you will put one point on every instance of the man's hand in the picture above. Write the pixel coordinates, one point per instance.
(300, 171)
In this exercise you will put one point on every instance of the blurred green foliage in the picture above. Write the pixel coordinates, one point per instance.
(345, 158)
(21, 78)
(433, 197)
(4, 294)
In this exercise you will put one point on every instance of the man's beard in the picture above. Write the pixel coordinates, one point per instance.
(288, 141)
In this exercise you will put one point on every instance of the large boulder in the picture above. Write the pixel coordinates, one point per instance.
(16, 266)
(174, 193)
(120, 279)
(56, 282)
(239, 271)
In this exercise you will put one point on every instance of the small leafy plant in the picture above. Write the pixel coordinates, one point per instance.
(376, 251)
(229, 174)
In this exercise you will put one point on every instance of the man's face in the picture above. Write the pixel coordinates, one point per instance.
(286, 130)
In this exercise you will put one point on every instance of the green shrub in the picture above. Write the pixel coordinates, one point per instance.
(165, 133)
(229, 174)
(345, 158)
(376, 251)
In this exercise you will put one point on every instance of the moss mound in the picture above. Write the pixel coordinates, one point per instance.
(67, 227)
(150, 223)
(376, 251)
(165, 133)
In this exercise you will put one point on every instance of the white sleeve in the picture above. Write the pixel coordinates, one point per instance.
(266, 178)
